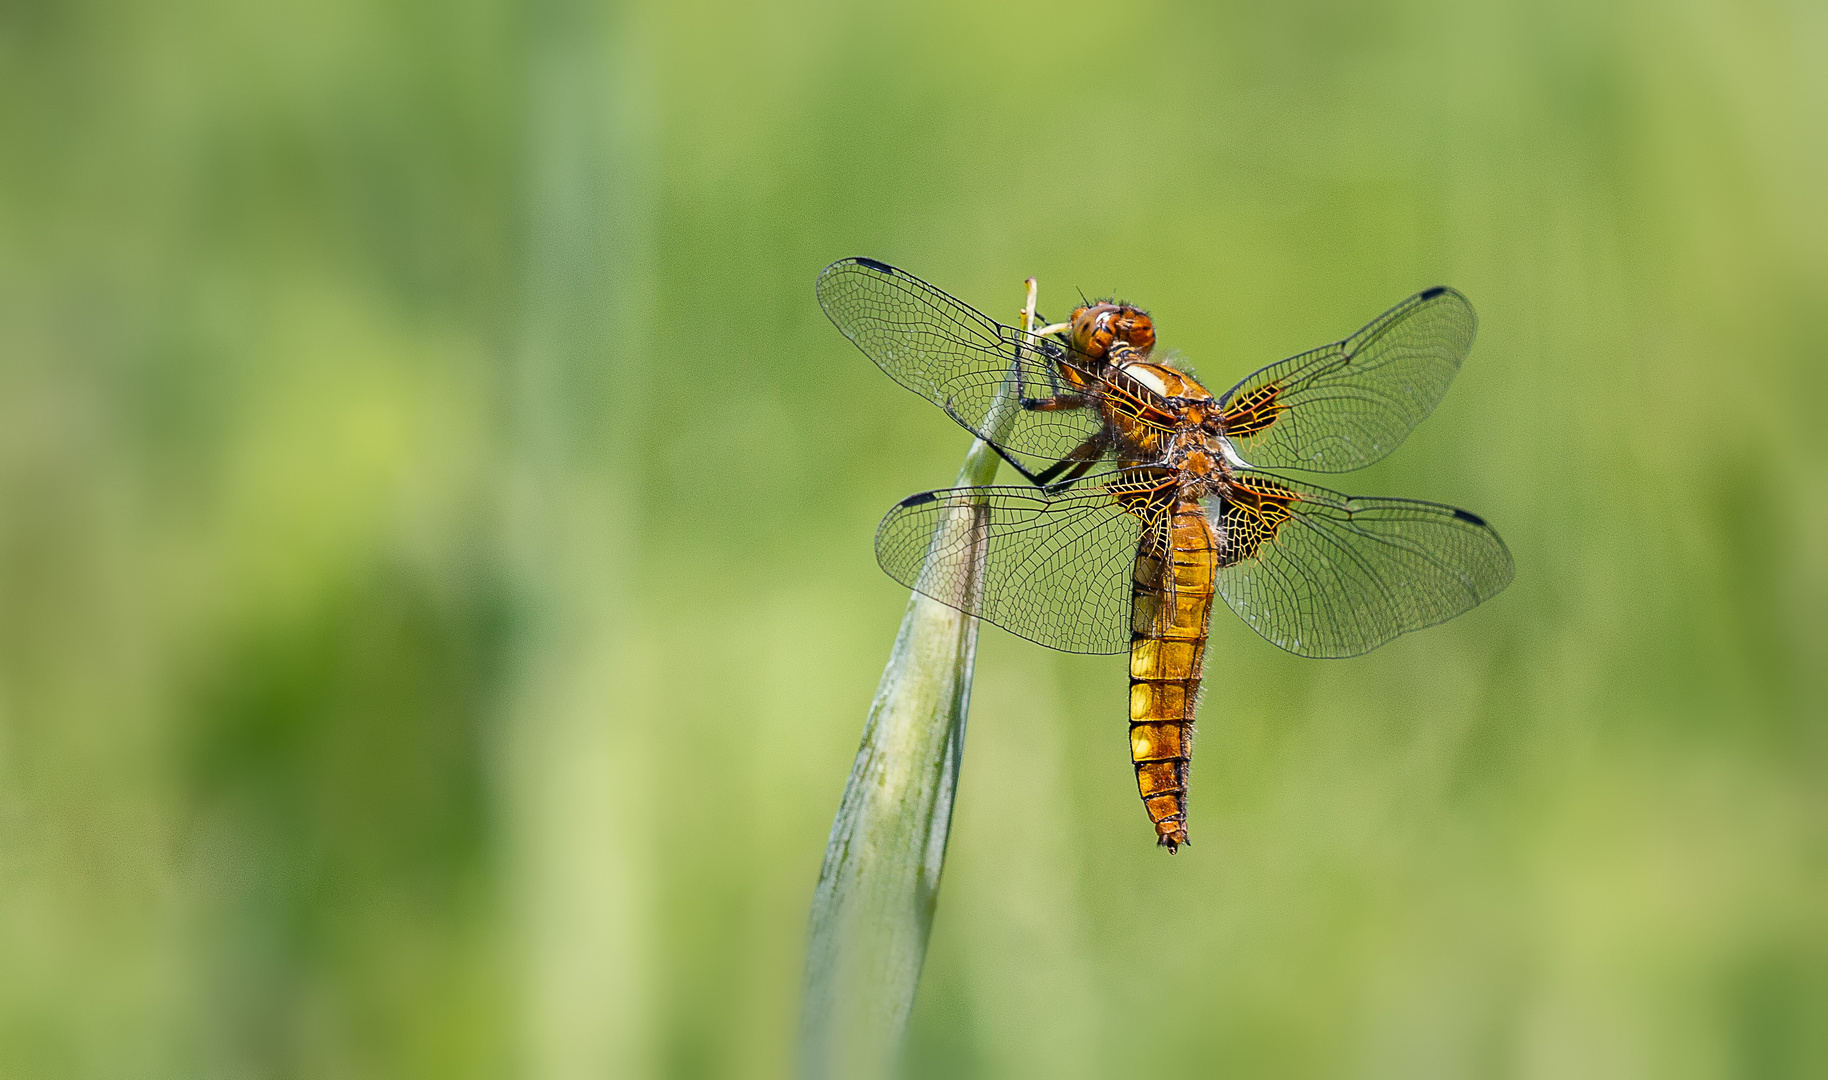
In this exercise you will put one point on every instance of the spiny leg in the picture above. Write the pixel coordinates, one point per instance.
(1030, 344)
(1073, 465)
(1057, 403)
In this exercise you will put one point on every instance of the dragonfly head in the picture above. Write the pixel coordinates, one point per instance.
(1097, 327)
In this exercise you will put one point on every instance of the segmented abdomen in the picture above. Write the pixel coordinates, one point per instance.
(1171, 609)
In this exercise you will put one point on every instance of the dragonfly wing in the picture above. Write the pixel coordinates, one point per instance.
(1345, 405)
(1053, 569)
(1324, 574)
(955, 356)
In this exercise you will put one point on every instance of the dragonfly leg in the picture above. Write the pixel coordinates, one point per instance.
(1073, 465)
(1028, 348)
(1055, 403)
(1079, 469)
(1030, 316)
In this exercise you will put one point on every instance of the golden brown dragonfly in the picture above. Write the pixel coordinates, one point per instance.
(1147, 496)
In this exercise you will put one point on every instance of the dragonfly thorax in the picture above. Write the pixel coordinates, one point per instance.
(1196, 461)
(1178, 391)
(1159, 416)
(1201, 463)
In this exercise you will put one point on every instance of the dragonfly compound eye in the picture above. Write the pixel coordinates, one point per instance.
(1096, 327)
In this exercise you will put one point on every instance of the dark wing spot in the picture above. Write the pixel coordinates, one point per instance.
(928, 496)
(1474, 518)
(879, 267)
(1427, 294)
(1253, 412)
(1254, 510)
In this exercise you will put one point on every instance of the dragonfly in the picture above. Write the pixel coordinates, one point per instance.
(1145, 496)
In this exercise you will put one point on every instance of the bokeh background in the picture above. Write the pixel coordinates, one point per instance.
(437, 609)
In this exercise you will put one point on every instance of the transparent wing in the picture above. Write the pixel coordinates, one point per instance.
(967, 363)
(1055, 570)
(1345, 405)
(1325, 574)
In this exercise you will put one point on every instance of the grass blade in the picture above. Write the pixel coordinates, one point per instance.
(873, 909)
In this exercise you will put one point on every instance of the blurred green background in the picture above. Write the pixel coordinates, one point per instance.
(437, 608)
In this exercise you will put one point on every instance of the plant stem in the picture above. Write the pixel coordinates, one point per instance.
(873, 910)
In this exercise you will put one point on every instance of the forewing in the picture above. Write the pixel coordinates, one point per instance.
(1345, 405)
(1055, 570)
(1324, 574)
(967, 363)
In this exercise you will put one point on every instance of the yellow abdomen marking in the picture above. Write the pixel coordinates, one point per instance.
(1158, 658)
(1171, 605)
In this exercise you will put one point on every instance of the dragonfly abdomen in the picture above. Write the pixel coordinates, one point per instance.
(1171, 610)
